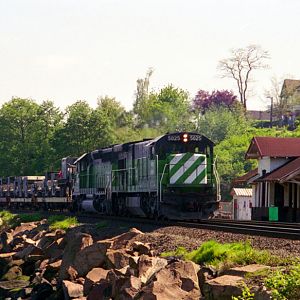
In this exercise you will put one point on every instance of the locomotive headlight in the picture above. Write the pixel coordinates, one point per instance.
(185, 137)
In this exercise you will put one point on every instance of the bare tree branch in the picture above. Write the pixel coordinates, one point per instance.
(240, 65)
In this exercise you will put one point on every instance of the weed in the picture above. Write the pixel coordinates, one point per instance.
(180, 251)
(246, 294)
(285, 285)
(62, 222)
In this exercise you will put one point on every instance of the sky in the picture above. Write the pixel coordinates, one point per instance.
(69, 50)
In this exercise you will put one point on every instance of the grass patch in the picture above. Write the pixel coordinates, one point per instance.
(13, 220)
(102, 224)
(62, 222)
(24, 218)
(227, 255)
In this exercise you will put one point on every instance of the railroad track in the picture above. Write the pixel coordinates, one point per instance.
(258, 228)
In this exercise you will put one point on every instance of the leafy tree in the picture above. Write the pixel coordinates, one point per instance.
(219, 123)
(240, 66)
(230, 154)
(169, 110)
(205, 100)
(74, 138)
(26, 132)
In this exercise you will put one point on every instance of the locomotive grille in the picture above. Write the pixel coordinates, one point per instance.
(188, 168)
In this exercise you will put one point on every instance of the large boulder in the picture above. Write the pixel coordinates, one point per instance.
(223, 287)
(75, 244)
(117, 259)
(47, 239)
(94, 276)
(148, 266)
(72, 290)
(178, 280)
(130, 288)
(30, 252)
(24, 228)
(91, 257)
(244, 270)
(122, 240)
(141, 248)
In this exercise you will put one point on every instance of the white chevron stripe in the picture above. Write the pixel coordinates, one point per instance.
(182, 169)
(175, 160)
(196, 173)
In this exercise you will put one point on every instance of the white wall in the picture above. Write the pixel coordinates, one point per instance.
(243, 207)
(270, 164)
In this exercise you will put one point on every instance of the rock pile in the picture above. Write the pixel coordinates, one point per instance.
(37, 263)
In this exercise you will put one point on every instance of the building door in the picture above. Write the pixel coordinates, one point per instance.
(279, 195)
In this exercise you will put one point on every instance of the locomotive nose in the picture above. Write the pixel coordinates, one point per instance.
(188, 169)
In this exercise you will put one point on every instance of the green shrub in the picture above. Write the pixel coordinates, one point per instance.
(285, 285)
(7, 217)
(62, 222)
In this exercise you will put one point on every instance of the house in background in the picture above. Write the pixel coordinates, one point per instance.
(288, 107)
(276, 182)
(290, 91)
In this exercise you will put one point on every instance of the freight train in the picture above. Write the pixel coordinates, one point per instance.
(173, 176)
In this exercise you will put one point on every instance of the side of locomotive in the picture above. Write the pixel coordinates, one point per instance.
(172, 176)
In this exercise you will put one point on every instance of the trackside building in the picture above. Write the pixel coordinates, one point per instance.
(276, 181)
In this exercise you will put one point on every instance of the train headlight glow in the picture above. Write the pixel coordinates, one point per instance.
(185, 137)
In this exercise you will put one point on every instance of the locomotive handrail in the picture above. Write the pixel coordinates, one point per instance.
(217, 180)
(161, 179)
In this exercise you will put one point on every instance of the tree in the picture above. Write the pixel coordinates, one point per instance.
(205, 100)
(25, 137)
(240, 66)
(141, 97)
(218, 123)
(74, 137)
(168, 110)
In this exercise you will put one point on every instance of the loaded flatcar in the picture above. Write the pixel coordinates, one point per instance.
(52, 191)
(172, 176)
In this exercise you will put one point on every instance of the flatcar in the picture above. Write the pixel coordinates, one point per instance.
(50, 191)
(172, 176)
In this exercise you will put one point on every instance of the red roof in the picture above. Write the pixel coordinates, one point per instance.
(244, 178)
(273, 147)
(284, 173)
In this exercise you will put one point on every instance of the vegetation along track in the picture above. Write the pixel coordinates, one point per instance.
(259, 228)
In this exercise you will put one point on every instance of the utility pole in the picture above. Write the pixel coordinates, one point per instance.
(271, 112)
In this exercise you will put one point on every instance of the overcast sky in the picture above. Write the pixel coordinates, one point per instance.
(68, 50)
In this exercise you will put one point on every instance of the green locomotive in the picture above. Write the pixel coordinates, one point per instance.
(172, 176)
